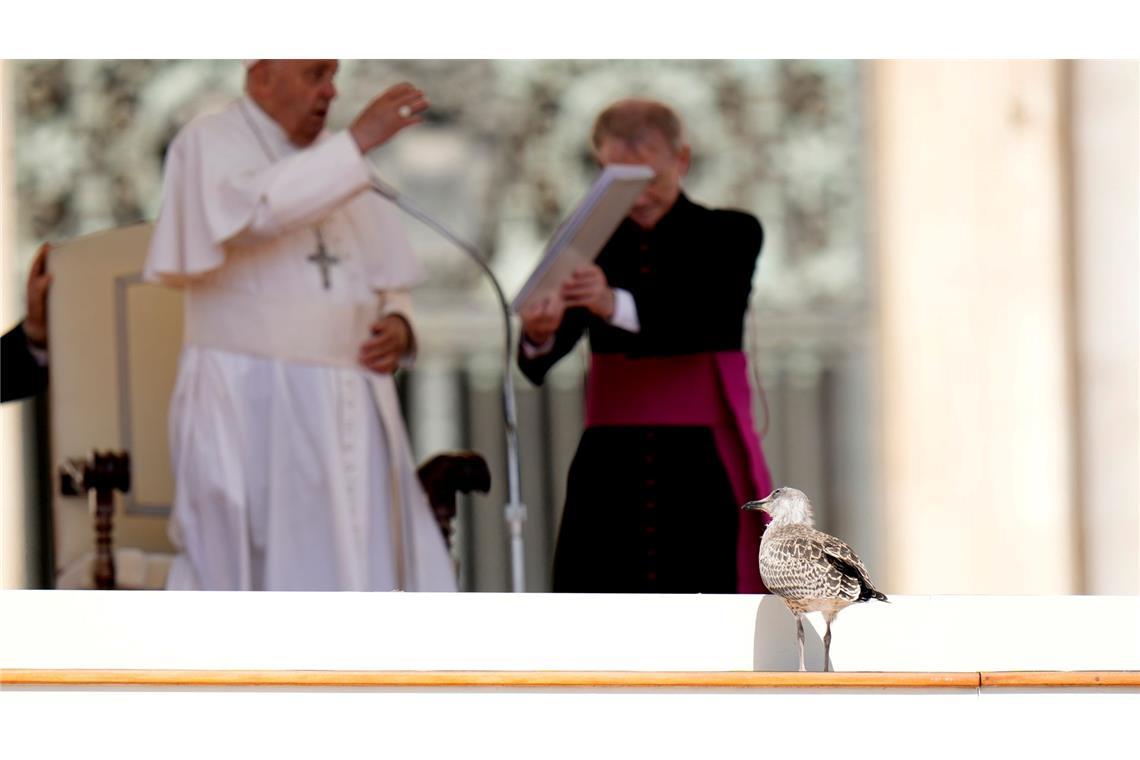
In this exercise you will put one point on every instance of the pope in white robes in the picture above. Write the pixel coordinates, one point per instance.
(291, 461)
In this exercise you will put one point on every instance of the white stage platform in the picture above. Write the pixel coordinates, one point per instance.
(163, 674)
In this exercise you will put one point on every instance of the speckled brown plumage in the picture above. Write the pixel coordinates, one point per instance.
(811, 570)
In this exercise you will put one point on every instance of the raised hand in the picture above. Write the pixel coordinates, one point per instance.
(397, 107)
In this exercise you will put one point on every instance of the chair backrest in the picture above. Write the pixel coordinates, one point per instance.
(114, 344)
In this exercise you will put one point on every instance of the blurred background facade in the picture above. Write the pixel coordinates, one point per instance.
(945, 318)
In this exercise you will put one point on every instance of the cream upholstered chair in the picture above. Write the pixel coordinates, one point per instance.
(114, 344)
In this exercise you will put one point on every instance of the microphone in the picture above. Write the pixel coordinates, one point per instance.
(383, 188)
(515, 511)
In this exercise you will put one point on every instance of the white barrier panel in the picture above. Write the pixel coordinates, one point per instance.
(56, 631)
(348, 631)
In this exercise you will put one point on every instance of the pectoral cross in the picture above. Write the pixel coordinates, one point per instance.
(322, 259)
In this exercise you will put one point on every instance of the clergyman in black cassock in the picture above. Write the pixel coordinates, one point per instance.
(23, 349)
(23, 375)
(653, 494)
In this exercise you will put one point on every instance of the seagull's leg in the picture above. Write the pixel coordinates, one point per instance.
(800, 639)
(828, 617)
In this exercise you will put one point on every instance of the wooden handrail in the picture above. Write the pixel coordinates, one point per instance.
(487, 678)
(566, 679)
(1057, 678)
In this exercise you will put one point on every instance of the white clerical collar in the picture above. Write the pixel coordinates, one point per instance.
(273, 134)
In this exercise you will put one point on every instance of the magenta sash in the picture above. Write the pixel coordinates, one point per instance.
(709, 390)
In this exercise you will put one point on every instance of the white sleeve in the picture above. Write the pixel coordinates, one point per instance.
(294, 192)
(208, 202)
(625, 312)
(624, 317)
(39, 354)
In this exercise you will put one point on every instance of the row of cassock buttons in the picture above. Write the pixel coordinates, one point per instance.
(649, 507)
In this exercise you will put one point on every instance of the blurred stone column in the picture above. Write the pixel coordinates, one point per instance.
(13, 573)
(855, 512)
(973, 318)
(534, 441)
(1106, 205)
(435, 421)
(565, 405)
(486, 563)
(804, 466)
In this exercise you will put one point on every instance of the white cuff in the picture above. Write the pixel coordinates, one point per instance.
(625, 311)
(531, 351)
(39, 354)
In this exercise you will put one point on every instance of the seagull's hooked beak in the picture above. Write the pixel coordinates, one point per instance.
(759, 506)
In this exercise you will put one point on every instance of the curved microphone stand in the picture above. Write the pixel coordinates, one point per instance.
(515, 511)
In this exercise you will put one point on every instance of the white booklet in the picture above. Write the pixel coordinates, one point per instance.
(580, 238)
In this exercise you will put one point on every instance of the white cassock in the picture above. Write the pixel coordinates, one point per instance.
(291, 462)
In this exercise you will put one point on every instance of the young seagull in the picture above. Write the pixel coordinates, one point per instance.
(810, 570)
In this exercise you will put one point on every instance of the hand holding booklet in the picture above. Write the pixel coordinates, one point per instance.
(580, 238)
